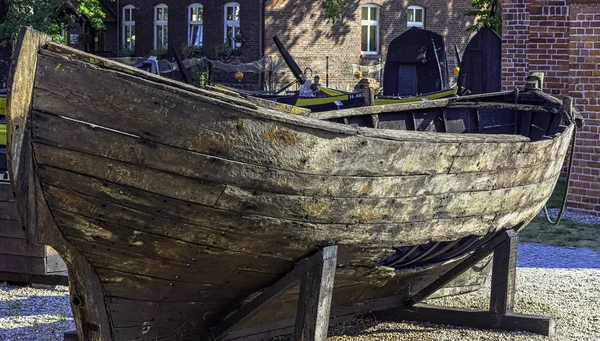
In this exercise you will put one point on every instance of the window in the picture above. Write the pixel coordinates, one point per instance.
(128, 28)
(195, 19)
(231, 23)
(369, 39)
(416, 16)
(161, 26)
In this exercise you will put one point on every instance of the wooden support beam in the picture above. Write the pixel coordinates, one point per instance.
(461, 267)
(479, 319)
(71, 336)
(499, 316)
(314, 300)
(315, 273)
(504, 273)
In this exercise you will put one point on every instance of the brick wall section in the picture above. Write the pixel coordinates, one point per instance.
(178, 24)
(562, 39)
(303, 28)
(310, 37)
(584, 86)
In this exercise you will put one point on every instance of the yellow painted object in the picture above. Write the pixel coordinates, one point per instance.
(431, 96)
(309, 101)
(3, 125)
(329, 92)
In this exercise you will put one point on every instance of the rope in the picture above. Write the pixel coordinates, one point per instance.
(564, 201)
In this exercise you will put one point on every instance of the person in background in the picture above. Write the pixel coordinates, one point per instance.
(315, 87)
(305, 89)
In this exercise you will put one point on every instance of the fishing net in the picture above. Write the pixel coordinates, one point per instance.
(265, 64)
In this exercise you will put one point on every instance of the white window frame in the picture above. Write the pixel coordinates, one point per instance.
(233, 23)
(161, 24)
(369, 23)
(193, 23)
(419, 24)
(131, 25)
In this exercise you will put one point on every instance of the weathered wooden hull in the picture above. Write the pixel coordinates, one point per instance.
(173, 205)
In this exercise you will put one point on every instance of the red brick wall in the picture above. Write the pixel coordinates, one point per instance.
(561, 38)
(310, 37)
(178, 24)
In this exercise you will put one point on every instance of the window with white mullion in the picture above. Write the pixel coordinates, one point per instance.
(128, 28)
(195, 24)
(416, 16)
(231, 23)
(370, 29)
(161, 26)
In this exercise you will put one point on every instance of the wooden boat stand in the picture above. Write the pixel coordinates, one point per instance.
(500, 314)
(314, 314)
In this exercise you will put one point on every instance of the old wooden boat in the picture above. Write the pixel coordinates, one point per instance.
(175, 206)
(19, 261)
(416, 70)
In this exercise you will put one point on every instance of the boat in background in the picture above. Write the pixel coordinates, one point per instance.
(20, 261)
(174, 206)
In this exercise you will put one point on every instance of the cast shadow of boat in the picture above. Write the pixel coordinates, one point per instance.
(57, 306)
(37, 331)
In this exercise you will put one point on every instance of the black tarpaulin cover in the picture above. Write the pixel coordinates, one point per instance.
(412, 67)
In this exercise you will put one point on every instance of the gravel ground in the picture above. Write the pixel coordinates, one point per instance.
(28, 313)
(580, 218)
(561, 282)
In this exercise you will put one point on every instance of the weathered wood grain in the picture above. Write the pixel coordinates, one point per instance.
(107, 257)
(90, 313)
(262, 227)
(22, 264)
(136, 287)
(164, 248)
(19, 247)
(314, 299)
(319, 209)
(218, 170)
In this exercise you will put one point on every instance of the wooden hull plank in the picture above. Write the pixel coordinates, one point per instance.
(218, 170)
(328, 210)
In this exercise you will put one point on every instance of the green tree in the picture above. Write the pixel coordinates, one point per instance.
(487, 14)
(333, 8)
(48, 16)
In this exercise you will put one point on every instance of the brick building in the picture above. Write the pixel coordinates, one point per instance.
(562, 39)
(360, 37)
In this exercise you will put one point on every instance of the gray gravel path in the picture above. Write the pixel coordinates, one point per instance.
(28, 313)
(561, 282)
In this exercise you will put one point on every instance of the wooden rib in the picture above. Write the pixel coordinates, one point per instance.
(421, 256)
(406, 255)
(442, 250)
